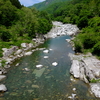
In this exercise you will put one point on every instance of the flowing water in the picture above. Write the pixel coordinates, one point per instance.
(49, 82)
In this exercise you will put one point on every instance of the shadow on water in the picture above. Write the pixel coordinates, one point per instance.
(49, 82)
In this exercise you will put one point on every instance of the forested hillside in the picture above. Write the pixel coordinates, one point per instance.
(84, 13)
(43, 5)
(20, 24)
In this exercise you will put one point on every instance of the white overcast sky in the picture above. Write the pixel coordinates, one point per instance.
(29, 2)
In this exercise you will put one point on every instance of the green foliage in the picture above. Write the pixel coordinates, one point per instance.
(78, 43)
(20, 24)
(94, 80)
(8, 14)
(16, 3)
(96, 49)
(3, 63)
(4, 34)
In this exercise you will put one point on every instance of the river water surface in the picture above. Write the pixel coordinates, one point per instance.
(49, 82)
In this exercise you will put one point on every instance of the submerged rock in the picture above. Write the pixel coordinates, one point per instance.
(35, 86)
(26, 69)
(17, 64)
(39, 72)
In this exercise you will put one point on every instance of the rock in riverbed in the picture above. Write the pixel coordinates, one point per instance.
(54, 63)
(2, 77)
(46, 51)
(39, 66)
(3, 87)
(95, 88)
(60, 29)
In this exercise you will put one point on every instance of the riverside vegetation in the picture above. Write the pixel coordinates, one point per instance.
(19, 24)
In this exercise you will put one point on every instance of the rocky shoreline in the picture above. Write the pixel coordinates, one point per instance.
(87, 68)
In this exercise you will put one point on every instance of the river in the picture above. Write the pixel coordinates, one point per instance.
(49, 82)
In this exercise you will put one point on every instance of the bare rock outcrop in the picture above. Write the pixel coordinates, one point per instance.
(60, 29)
(86, 68)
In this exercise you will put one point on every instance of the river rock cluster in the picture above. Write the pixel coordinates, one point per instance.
(87, 68)
(60, 29)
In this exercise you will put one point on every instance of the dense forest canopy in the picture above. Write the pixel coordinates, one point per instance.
(20, 24)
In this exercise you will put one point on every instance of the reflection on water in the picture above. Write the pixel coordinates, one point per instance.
(48, 82)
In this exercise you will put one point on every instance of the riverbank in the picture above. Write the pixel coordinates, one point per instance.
(14, 53)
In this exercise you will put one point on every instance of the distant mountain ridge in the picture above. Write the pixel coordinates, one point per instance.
(46, 3)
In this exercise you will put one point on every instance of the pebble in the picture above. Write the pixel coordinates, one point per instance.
(46, 57)
(74, 89)
(54, 63)
(39, 66)
(17, 64)
(26, 69)
(46, 51)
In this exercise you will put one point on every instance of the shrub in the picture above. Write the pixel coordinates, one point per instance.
(94, 80)
(5, 36)
(96, 49)
(78, 45)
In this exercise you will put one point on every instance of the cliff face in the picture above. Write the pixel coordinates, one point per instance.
(46, 3)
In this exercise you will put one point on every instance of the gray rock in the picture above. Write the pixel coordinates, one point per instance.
(18, 52)
(2, 77)
(24, 45)
(28, 53)
(46, 51)
(30, 45)
(75, 69)
(17, 64)
(8, 52)
(86, 68)
(60, 29)
(3, 87)
(95, 88)
(27, 69)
